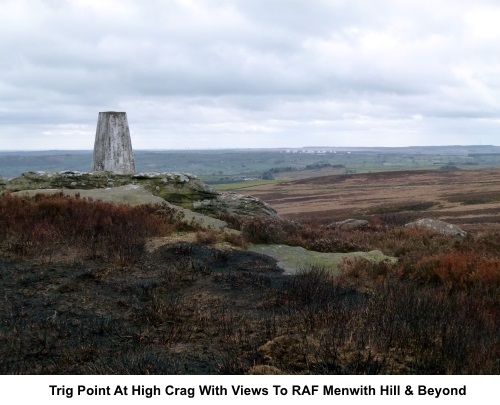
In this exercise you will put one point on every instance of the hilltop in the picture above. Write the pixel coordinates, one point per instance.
(161, 274)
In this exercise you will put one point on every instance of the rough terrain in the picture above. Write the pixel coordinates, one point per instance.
(470, 199)
(90, 287)
(181, 189)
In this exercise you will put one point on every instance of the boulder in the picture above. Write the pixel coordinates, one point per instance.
(350, 224)
(295, 258)
(234, 203)
(437, 226)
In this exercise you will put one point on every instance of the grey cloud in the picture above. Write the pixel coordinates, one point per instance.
(217, 68)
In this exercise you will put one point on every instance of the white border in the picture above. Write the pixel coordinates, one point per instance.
(21, 389)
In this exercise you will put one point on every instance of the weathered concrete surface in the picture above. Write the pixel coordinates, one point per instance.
(113, 147)
(437, 226)
(295, 258)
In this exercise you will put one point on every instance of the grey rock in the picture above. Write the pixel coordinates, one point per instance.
(64, 173)
(145, 175)
(295, 258)
(178, 192)
(134, 194)
(351, 224)
(438, 226)
(234, 203)
(182, 189)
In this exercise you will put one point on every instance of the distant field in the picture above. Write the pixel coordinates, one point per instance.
(229, 166)
(470, 198)
(243, 184)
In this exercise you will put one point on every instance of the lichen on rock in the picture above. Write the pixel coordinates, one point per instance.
(444, 228)
(350, 224)
(295, 258)
(235, 203)
(182, 189)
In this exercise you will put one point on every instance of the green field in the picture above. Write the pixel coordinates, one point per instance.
(242, 184)
(235, 166)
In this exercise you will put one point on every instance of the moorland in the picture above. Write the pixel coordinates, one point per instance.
(468, 198)
(92, 287)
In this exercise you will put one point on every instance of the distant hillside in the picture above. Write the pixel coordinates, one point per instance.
(224, 165)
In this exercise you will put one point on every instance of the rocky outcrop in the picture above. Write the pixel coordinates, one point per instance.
(135, 195)
(181, 189)
(437, 226)
(234, 203)
(178, 188)
(295, 258)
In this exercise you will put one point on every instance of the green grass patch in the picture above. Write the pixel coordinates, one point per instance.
(242, 184)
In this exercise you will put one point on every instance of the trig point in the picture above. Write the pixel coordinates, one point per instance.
(113, 147)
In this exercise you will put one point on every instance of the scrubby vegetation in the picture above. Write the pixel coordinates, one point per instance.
(47, 224)
(82, 294)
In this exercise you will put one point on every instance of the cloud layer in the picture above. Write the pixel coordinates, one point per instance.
(241, 73)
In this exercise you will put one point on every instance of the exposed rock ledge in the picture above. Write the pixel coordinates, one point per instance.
(135, 195)
(182, 189)
(294, 258)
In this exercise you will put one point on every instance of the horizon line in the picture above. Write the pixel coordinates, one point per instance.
(262, 148)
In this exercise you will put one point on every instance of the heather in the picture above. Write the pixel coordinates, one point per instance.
(97, 288)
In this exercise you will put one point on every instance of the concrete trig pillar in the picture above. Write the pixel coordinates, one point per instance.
(113, 147)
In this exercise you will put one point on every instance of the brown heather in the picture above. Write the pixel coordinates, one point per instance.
(195, 308)
(46, 224)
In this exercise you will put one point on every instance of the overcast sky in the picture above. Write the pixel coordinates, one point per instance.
(250, 73)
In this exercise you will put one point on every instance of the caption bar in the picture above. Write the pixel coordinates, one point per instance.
(240, 390)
